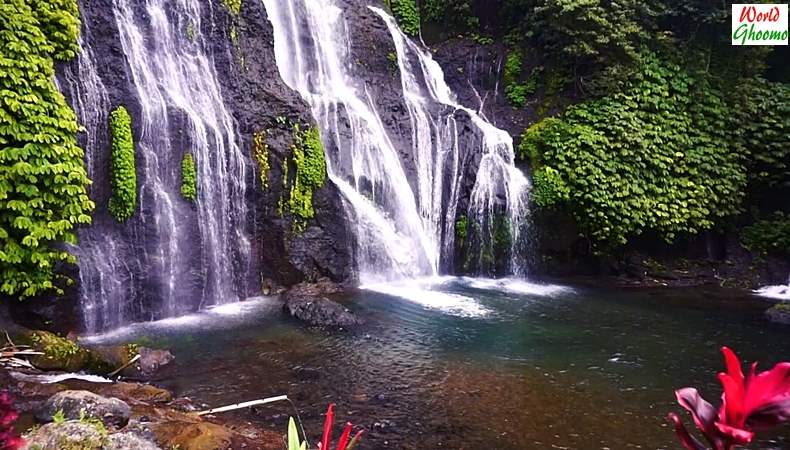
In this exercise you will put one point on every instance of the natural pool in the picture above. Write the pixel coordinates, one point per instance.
(477, 364)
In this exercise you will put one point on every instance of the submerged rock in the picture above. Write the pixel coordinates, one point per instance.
(194, 436)
(83, 404)
(152, 360)
(779, 313)
(307, 303)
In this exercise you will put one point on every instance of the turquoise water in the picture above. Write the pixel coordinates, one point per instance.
(473, 364)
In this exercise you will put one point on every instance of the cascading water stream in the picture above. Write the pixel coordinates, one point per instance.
(402, 229)
(311, 44)
(500, 188)
(172, 256)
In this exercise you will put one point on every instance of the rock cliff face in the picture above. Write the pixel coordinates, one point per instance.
(110, 72)
(261, 101)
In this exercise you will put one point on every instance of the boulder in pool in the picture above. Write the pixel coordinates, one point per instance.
(307, 303)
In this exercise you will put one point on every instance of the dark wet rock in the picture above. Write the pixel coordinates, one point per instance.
(323, 286)
(83, 404)
(307, 303)
(151, 360)
(779, 313)
(307, 373)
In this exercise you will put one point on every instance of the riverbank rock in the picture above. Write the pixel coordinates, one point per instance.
(63, 354)
(151, 360)
(307, 303)
(83, 404)
(779, 313)
(82, 435)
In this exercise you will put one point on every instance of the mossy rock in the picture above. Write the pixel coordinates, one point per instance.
(63, 354)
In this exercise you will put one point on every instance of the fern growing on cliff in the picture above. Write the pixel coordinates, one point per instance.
(42, 177)
(123, 175)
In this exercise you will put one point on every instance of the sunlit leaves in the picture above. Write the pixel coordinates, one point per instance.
(42, 178)
(657, 155)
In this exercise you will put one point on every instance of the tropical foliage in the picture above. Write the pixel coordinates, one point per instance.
(750, 403)
(42, 178)
(656, 155)
(771, 235)
(309, 176)
(407, 15)
(674, 131)
(123, 168)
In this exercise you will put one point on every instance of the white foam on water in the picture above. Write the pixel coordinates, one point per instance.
(423, 291)
(57, 378)
(774, 292)
(516, 286)
(216, 317)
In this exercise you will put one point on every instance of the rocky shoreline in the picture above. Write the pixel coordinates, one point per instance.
(75, 414)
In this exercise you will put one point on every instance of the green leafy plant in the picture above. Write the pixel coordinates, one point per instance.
(548, 187)
(293, 437)
(188, 177)
(59, 417)
(407, 15)
(43, 181)
(461, 231)
(657, 155)
(123, 171)
(310, 174)
(260, 152)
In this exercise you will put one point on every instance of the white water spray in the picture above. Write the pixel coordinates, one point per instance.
(402, 229)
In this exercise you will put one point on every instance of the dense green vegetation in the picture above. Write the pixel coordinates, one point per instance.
(123, 168)
(188, 177)
(310, 175)
(407, 15)
(42, 178)
(670, 129)
(656, 155)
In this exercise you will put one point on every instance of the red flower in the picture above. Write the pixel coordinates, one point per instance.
(755, 402)
(343, 443)
(9, 439)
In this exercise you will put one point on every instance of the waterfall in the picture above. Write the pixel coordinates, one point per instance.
(172, 256)
(497, 176)
(405, 227)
